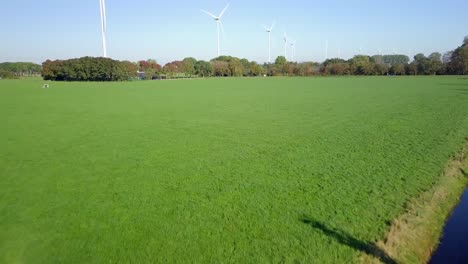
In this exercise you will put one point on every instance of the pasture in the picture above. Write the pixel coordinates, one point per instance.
(249, 170)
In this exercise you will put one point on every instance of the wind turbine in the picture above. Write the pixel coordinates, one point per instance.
(268, 30)
(102, 4)
(219, 24)
(293, 44)
(285, 38)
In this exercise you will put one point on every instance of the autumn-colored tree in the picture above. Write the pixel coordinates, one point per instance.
(220, 68)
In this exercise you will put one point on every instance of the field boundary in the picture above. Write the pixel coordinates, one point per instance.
(414, 235)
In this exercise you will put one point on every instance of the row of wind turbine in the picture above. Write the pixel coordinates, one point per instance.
(219, 25)
(291, 43)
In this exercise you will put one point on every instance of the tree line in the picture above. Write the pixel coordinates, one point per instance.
(104, 69)
(453, 62)
(88, 69)
(13, 70)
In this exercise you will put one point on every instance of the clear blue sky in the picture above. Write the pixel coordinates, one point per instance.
(170, 30)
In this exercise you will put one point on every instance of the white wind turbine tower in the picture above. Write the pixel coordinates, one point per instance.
(293, 45)
(102, 4)
(285, 38)
(219, 24)
(268, 30)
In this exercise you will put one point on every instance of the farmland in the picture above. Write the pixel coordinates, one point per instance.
(220, 170)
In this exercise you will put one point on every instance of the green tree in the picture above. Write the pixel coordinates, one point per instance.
(396, 59)
(7, 75)
(256, 70)
(280, 61)
(20, 68)
(130, 68)
(422, 63)
(150, 73)
(361, 65)
(189, 66)
(87, 69)
(247, 67)
(378, 59)
(435, 63)
(203, 69)
(235, 67)
(397, 69)
(271, 69)
(411, 69)
(459, 60)
(381, 69)
(335, 66)
(151, 61)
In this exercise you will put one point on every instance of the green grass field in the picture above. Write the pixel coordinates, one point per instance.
(220, 170)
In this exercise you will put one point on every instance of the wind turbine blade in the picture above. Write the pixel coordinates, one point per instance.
(265, 27)
(208, 13)
(272, 26)
(222, 30)
(224, 10)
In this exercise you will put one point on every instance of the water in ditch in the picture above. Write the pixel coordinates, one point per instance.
(453, 248)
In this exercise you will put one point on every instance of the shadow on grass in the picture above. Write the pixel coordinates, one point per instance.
(456, 85)
(348, 240)
(460, 89)
(464, 172)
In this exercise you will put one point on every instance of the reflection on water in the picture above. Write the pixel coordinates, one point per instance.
(454, 244)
